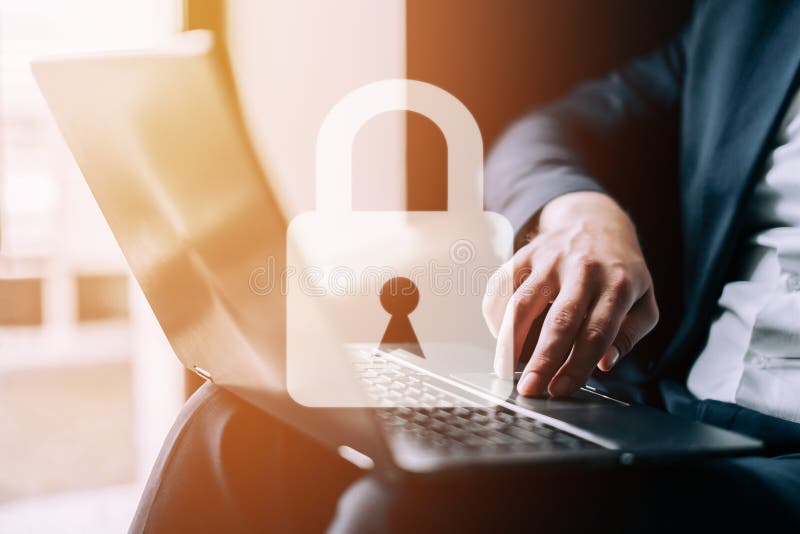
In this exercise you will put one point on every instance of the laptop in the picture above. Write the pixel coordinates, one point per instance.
(160, 141)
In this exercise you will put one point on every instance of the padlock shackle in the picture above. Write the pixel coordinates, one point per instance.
(345, 119)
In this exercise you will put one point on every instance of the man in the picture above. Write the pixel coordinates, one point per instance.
(730, 78)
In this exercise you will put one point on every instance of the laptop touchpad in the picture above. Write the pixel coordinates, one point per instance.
(491, 384)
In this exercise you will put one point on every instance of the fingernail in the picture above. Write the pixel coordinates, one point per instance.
(503, 369)
(614, 355)
(561, 387)
(526, 385)
(503, 366)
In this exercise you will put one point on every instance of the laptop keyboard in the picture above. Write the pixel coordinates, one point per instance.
(496, 428)
(389, 384)
(415, 408)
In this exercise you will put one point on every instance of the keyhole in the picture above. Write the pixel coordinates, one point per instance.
(400, 296)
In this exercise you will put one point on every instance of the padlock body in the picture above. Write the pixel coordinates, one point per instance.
(337, 264)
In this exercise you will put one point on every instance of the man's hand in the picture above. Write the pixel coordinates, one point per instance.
(585, 259)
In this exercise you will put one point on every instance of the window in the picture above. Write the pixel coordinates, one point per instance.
(88, 384)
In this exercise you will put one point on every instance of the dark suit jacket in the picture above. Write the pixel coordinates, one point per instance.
(727, 79)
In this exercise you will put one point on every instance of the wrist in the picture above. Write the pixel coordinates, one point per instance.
(581, 207)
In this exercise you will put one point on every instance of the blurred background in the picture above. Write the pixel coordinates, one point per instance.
(88, 384)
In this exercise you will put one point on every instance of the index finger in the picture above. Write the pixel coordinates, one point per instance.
(557, 336)
(501, 287)
(525, 306)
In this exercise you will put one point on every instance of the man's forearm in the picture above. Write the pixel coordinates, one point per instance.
(553, 150)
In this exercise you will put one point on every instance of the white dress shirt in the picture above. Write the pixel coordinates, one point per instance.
(752, 355)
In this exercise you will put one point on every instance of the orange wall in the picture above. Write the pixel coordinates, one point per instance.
(504, 57)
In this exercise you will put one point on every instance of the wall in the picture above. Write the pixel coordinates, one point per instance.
(292, 61)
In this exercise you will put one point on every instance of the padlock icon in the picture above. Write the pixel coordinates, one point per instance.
(341, 263)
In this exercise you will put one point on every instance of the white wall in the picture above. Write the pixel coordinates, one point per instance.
(292, 60)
